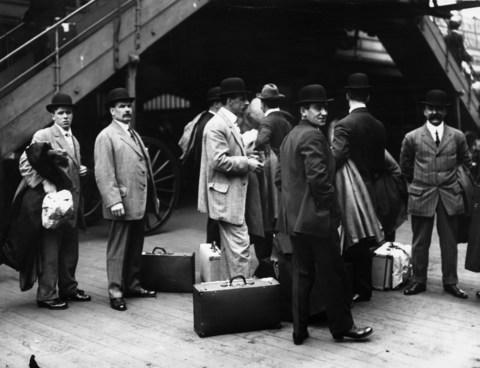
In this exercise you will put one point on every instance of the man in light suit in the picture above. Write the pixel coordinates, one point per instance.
(124, 176)
(224, 168)
(308, 214)
(429, 158)
(59, 246)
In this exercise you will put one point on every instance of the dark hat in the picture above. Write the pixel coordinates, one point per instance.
(60, 100)
(436, 97)
(213, 94)
(358, 81)
(232, 86)
(313, 93)
(118, 94)
(270, 92)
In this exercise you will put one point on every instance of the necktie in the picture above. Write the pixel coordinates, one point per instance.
(437, 140)
(130, 130)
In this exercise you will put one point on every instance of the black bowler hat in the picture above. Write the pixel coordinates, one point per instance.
(213, 94)
(313, 93)
(358, 81)
(118, 94)
(232, 86)
(270, 92)
(436, 97)
(60, 100)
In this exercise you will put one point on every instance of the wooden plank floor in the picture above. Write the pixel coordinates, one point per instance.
(429, 330)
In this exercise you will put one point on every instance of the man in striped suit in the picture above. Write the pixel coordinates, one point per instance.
(429, 159)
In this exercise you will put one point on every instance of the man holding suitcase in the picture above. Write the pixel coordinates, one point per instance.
(308, 215)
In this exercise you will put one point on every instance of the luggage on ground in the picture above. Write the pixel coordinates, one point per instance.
(391, 266)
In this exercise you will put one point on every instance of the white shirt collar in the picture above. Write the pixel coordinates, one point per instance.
(66, 133)
(229, 115)
(125, 127)
(269, 111)
(355, 105)
(436, 128)
(212, 112)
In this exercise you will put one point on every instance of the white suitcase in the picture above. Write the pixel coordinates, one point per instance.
(391, 266)
(212, 267)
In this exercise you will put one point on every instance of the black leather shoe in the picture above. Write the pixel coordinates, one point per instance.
(300, 338)
(118, 304)
(415, 288)
(354, 333)
(455, 291)
(78, 296)
(54, 304)
(477, 294)
(359, 298)
(141, 293)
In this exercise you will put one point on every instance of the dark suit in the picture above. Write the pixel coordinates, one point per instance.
(434, 189)
(59, 249)
(361, 138)
(308, 215)
(273, 129)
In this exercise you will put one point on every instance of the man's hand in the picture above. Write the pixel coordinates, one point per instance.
(255, 165)
(117, 210)
(49, 187)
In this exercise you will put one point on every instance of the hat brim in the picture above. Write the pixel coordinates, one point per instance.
(51, 107)
(111, 102)
(358, 87)
(301, 102)
(435, 104)
(229, 93)
(277, 97)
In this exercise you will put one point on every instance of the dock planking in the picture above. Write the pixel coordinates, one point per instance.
(430, 329)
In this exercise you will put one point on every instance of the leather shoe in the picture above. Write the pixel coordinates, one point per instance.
(141, 293)
(359, 298)
(477, 294)
(118, 304)
(415, 288)
(54, 304)
(78, 296)
(300, 338)
(354, 333)
(455, 291)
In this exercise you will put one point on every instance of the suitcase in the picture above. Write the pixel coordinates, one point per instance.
(231, 306)
(167, 271)
(211, 264)
(391, 266)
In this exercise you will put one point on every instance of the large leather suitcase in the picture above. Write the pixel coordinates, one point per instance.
(168, 271)
(222, 307)
(211, 264)
(391, 266)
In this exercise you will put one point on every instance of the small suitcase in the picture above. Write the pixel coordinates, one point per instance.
(222, 307)
(167, 271)
(211, 264)
(391, 266)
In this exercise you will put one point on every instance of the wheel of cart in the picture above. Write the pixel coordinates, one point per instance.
(166, 175)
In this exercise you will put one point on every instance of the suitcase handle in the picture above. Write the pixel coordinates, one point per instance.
(159, 248)
(238, 277)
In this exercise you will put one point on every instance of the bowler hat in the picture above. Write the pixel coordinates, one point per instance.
(59, 100)
(213, 94)
(436, 97)
(313, 93)
(232, 86)
(358, 81)
(270, 92)
(118, 94)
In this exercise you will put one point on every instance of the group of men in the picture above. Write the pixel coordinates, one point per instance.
(124, 178)
(307, 200)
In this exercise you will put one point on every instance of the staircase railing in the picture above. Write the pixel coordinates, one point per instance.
(47, 46)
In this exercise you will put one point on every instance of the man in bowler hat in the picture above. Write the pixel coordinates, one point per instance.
(430, 158)
(224, 169)
(308, 215)
(124, 176)
(59, 246)
(360, 137)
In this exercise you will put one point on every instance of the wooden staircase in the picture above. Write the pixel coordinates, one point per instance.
(116, 38)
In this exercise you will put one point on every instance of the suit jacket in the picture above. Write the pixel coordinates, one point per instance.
(432, 171)
(306, 174)
(222, 187)
(57, 140)
(362, 138)
(123, 173)
(273, 129)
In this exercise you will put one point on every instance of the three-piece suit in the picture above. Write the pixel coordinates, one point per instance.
(309, 216)
(59, 248)
(123, 173)
(362, 138)
(222, 188)
(433, 188)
